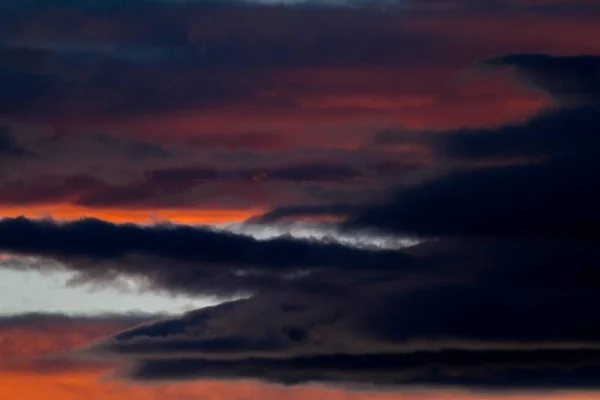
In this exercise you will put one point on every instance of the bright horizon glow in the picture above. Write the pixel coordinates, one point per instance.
(69, 212)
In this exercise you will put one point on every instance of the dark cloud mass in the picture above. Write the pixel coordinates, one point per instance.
(482, 370)
(555, 195)
(573, 79)
(472, 126)
(180, 257)
(500, 295)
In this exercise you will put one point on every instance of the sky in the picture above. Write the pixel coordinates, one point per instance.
(334, 200)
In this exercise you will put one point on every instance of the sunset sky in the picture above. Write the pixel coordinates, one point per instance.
(299, 199)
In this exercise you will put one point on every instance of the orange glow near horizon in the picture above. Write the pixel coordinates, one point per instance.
(76, 385)
(24, 342)
(68, 212)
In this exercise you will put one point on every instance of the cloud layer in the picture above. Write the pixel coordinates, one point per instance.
(500, 295)
(384, 122)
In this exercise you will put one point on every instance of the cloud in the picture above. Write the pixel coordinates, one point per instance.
(237, 104)
(571, 80)
(184, 258)
(548, 135)
(309, 172)
(211, 58)
(500, 295)
(544, 186)
(554, 195)
(419, 330)
(243, 88)
(9, 146)
(136, 183)
(333, 210)
(30, 367)
(477, 370)
(40, 342)
(547, 200)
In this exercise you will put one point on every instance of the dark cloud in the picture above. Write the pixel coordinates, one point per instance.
(177, 257)
(574, 83)
(136, 177)
(398, 316)
(87, 59)
(549, 135)
(42, 165)
(455, 327)
(21, 88)
(9, 146)
(39, 320)
(571, 80)
(541, 200)
(553, 195)
(501, 295)
(333, 210)
(544, 370)
(90, 59)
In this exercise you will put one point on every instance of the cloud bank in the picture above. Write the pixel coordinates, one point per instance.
(393, 122)
(501, 296)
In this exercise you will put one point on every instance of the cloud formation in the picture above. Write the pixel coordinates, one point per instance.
(187, 258)
(243, 88)
(39, 343)
(502, 295)
(383, 122)
(26, 369)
